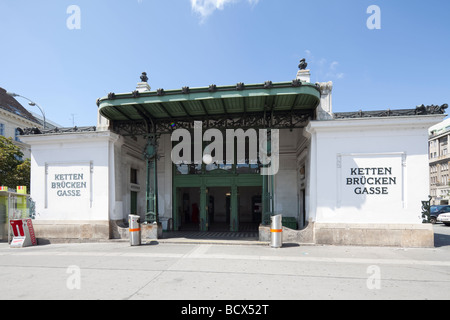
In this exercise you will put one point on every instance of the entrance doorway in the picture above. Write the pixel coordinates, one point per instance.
(188, 200)
(219, 208)
(223, 211)
(250, 208)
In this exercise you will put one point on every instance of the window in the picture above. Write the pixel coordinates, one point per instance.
(2, 129)
(17, 135)
(133, 176)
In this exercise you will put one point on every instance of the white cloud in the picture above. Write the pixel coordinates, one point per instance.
(322, 69)
(207, 7)
(333, 65)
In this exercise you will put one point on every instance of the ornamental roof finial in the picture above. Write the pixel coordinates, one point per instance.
(144, 77)
(303, 65)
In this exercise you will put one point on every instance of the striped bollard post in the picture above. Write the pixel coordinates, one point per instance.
(276, 232)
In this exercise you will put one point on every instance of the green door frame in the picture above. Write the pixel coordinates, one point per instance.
(133, 202)
(205, 181)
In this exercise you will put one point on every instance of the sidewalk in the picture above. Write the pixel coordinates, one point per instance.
(208, 271)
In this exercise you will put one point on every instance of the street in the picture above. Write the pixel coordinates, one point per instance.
(195, 271)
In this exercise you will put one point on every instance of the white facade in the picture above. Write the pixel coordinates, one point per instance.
(73, 183)
(369, 170)
(367, 180)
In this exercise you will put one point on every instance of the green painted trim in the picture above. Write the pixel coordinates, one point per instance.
(197, 181)
(122, 107)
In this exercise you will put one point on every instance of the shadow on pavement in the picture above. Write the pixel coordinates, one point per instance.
(441, 236)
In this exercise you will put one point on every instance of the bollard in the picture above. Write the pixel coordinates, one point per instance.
(276, 232)
(135, 230)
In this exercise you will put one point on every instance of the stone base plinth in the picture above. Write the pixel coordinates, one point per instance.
(71, 231)
(305, 236)
(378, 235)
(394, 235)
(151, 231)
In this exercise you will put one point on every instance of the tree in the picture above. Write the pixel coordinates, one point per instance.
(13, 170)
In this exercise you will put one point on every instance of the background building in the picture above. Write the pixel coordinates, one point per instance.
(439, 163)
(13, 116)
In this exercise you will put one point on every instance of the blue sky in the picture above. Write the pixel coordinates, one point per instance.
(200, 42)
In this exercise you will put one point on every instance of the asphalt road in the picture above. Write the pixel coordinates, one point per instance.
(441, 235)
(167, 271)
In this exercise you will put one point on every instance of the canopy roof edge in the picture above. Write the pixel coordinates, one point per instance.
(214, 101)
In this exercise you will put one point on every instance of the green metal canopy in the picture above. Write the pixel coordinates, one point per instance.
(267, 100)
(150, 113)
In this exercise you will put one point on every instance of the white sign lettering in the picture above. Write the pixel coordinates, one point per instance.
(371, 180)
(68, 184)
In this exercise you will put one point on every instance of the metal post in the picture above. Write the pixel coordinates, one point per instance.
(276, 232)
(234, 221)
(175, 207)
(267, 192)
(152, 179)
(134, 230)
(204, 225)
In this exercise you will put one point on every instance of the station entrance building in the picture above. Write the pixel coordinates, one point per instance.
(230, 157)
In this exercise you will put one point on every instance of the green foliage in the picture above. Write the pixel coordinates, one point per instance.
(13, 171)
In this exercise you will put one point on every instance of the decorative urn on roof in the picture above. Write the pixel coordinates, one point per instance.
(144, 77)
(303, 75)
(143, 86)
(303, 65)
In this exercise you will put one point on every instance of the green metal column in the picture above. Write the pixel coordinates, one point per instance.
(204, 223)
(267, 192)
(266, 207)
(234, 221)
(175, 217)
(152, 179)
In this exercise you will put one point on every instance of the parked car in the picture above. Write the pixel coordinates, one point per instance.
(444, 218)
(436, 211)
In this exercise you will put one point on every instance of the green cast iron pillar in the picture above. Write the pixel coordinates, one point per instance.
(204, 218)
(151, 156)
(234, 221)
(267, 192)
